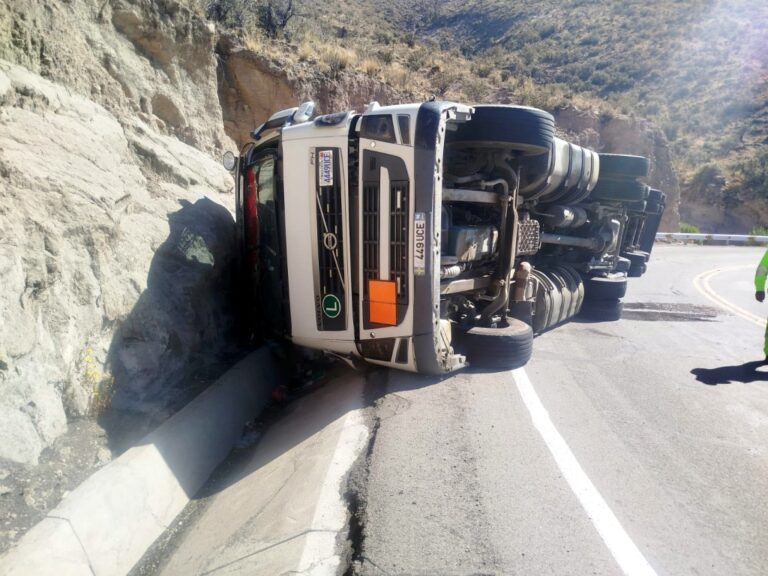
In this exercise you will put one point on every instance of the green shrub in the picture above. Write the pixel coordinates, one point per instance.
(686, 228)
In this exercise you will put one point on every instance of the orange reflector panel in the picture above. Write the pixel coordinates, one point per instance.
(382, 308)
(382, 291)
(382, 313)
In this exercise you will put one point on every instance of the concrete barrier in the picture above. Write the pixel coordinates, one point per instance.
(106, 524)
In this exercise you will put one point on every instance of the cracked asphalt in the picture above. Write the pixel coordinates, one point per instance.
(666, 413)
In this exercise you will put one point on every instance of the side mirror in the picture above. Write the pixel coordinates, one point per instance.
(304, 112)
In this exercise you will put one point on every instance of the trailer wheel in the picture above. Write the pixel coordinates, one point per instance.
(637, 261)
(636, 271)
(636, 257)
(620, 190)
(521, 128)
(602, 310)
(503, 348)
(622, 264)
(624, 165)
(639, 206)
(605, 287)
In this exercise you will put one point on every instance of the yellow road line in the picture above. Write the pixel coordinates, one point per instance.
(701, 283)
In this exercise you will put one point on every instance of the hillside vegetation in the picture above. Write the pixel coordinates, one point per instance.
(697, 68)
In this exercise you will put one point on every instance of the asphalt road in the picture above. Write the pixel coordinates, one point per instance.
(631, 447)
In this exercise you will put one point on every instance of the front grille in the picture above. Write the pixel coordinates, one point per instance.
(330, 232)
(528, 237)
(370, 233)
(398, 251)
(330, 293)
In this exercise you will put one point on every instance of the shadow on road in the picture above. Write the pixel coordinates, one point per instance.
(744, 373)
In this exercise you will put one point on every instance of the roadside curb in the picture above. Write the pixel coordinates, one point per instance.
(105, 525)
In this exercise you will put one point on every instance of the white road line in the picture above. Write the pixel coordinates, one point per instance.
(628, 556)
(701, 283)
(319, 556)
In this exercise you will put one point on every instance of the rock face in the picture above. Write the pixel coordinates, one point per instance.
(152, 60)
(625, 135)
(115, 253)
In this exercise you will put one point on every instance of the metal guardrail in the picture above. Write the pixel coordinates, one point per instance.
(719, 238)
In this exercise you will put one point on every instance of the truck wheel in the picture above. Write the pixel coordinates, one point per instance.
(502, 348)
(636, 271)
(624, 165)
(602, 310)
(637, 261)
(605, 287)
(620, 190)
(636, 256)
(622, 264)
(636, 206)
(528, 130)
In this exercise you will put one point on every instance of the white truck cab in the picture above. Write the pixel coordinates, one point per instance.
(413, 236)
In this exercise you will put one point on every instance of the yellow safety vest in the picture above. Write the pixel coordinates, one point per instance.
(761, 273)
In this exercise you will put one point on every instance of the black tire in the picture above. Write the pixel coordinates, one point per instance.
(624, 165)
(656, 202)
(656, 196)
(637, 256)
(519, 128)
(637, 270)
(503, 348)
(623, 265)
(605, 287)
(636, 206)
(637, 263)
(602, 310)
(620, 190)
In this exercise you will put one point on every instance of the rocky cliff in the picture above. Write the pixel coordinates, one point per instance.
(115, 227)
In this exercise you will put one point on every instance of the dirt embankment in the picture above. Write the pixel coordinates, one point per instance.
(252, 88)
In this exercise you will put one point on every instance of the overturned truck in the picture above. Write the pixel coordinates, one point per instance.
(429, 237)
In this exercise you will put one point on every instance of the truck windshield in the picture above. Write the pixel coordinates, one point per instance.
(261, 209)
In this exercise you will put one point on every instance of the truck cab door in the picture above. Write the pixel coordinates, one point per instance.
(261, 242)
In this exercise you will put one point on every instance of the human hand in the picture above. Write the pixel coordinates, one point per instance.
(760, 296)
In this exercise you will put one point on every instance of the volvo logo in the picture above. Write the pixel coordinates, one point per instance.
(330, 241)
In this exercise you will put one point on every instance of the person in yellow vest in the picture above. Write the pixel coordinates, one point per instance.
(760, 275)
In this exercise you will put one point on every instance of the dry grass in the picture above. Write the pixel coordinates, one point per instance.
(371, 66)
(337, 58)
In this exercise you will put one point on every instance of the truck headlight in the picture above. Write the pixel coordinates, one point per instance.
(229, 161)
